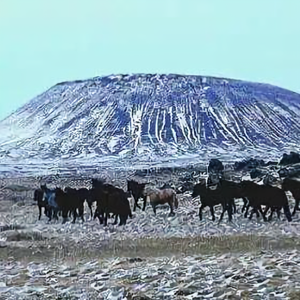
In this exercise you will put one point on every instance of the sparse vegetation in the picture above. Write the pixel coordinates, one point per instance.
(60, 246)
(294, 295)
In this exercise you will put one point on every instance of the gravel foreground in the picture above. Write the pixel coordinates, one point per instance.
(152, 257)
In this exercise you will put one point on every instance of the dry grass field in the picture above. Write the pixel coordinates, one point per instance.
(152, 257)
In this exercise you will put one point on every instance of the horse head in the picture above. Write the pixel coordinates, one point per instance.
(43, 187)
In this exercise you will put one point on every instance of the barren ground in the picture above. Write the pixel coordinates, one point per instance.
(152, 257)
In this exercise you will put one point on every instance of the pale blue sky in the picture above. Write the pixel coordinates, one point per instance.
(44, 42)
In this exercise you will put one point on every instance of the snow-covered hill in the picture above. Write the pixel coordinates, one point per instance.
(151, 117)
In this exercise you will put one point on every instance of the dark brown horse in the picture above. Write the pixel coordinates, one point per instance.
(158, 196)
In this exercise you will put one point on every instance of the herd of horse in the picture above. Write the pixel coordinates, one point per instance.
(110, 199)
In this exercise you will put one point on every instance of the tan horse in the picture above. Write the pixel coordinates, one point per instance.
(163, 196)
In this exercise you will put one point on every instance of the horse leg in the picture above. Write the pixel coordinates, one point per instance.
(271, 214)
(234, 207)
(278, 213)
(247, 209)
(100, 217)
(134, 205)
(257, 213)
(91, 210)
(287, 212)
(200, 212)
(136, 198)
(251, 213)
(45, 209)
(64, 213)
(267, 208)
(212, 213)
(222, 214)
(154, 208)
(40, 211)
(81, 210)
(74, 211)
(55, 213)
(171, 209)
(145, 203)
(105, 218)
(229, 211)
(121, 220)
(116, 220)
(50, 214)
(96, 213)
(245, 204)
(295, 208)
(297, 203)
(263, 213)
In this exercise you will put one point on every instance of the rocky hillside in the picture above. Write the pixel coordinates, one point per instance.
(142, 116)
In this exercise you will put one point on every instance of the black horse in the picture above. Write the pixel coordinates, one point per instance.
(293, 186)
(110, 199)
(137, 191)
(234, 191)
(272, 197)
(74, 200)
(39, 197)
(211, 198)
(51, 204)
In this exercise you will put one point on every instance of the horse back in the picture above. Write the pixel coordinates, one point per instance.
(162, 196)
(168, 192)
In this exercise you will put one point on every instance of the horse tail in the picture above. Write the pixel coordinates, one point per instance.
(287, 212)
